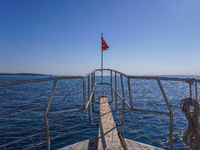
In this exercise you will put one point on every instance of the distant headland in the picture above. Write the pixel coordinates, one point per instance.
(23, 74)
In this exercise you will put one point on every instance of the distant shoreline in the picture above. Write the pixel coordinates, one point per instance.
(23, 74)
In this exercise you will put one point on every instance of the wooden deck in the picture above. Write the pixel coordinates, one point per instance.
(91, 144)
(133, 145)
(108, 138)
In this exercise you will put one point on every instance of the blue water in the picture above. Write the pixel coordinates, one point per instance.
(71, 128)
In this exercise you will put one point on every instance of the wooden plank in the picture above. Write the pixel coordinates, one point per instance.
(133, 145)
(108, 136)
(90, 144)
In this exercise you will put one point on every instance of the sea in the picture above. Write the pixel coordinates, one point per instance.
(23, 106)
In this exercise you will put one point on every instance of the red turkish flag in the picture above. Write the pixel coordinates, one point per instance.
(104, 45)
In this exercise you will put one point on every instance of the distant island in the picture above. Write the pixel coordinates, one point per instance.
(23, 74)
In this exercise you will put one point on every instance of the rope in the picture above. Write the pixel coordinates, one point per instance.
(191, 136)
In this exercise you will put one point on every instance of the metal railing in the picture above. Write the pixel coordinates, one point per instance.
(56, 98)
(189, 83)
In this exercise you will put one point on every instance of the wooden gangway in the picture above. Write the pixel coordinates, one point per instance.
(108, 138)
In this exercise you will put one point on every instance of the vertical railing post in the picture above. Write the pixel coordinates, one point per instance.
(94, 91)
(88, 87)
(46, 115)
(122, 83)
(115, 91)
(89, 110)
(111, 85)
(171, 114)
(84, 92)
(90, 118)
(94, 77)
(94, 84)
(130, 93)
(93, 97)
(190, 83)
(101, 75)
(196, 91)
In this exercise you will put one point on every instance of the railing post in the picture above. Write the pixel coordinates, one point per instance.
(190, 83)
(94, 91)
(122, 83)
(90, 117)
(94, 78)
(46, 115)
(130, 93)
(196, 91)
(115, 92)
(171, 114)
(94, 84)
(84, 92)
(88, 87)
(93, 97)
(89, 111)
(101, 75)
(111, 85)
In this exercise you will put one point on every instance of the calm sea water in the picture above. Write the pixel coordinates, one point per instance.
(71, 128)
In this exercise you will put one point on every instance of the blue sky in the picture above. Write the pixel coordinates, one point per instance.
(146, 37)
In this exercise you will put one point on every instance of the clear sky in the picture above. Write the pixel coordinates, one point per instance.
(63, 37)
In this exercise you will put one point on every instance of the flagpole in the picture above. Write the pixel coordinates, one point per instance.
(101, 60)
